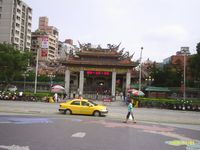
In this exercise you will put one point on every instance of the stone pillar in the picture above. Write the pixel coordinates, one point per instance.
(67, 82)
(113, 83)
(128, 80)
(81, 82)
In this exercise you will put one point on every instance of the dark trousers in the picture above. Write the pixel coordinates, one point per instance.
(130, 113)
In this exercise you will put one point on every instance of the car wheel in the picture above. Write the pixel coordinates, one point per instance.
(97, 113)
(68, 112)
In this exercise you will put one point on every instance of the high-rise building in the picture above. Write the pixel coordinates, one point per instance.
(66, 48)
(45, 40)
(15, 23)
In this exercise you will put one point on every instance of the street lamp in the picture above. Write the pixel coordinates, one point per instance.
(25, 75)
(36, 71)
(149, 80)
(51, 76)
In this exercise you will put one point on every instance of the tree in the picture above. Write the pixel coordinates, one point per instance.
(194, 64)
(12, 62)
(168, 76)
(198, 48)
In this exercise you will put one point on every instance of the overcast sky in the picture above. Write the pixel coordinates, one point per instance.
(160, 26)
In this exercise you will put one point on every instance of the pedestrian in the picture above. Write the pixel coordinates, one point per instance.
(124, 94)
(74, 94)
(55, 97)
(121, 95)
(130, 111)
(97, 95)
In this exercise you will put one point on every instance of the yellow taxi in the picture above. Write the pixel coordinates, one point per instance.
(83, 106)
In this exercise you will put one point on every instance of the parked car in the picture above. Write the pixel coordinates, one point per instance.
(83, 106)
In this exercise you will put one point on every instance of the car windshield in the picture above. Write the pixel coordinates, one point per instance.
(93, 103)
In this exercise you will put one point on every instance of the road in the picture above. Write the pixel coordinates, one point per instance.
(36, 126)
(88, 133)
(117, 110)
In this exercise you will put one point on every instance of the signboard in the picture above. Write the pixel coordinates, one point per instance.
(105, 73)
(44, 44)
(44, 52)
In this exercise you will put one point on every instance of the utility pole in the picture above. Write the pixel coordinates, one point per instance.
(36, 71)
(184, 76)
(140, 73)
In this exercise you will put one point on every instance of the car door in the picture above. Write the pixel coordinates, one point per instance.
(75, 107)
(86, 108)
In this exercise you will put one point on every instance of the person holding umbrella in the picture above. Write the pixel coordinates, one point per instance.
(130, 110)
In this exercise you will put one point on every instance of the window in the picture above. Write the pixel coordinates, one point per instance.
(17, 32)
(22, 35)
(16, 39)
(85, 103)
(17, 25)
(18, 18)
(18, 10)
(1, 1)
(23, 8)
(0, 9)
(76, 103)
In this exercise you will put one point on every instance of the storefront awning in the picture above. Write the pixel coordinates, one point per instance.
(157, 89)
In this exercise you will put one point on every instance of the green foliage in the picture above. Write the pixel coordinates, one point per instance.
(166, 103)
(168, 76)
(12, 62)
(194, 64)
(198, 48)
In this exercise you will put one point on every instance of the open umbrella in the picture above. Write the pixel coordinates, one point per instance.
(57, 88)
(135, 92)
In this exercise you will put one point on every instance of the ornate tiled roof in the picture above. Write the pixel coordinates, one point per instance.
(121, 63)
(110, 56)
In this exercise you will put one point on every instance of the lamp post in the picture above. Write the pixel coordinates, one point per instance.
(149, 80)
(140, 74)
(51, 76)
(25, 75)
(184, 77)
(36, 71)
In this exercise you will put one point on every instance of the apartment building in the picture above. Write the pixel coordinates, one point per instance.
(45, 40)
(15, 23)
(66, 48)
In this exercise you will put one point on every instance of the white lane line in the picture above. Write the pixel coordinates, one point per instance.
(15, 147)
(79, 135)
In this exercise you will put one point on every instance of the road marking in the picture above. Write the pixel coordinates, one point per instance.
(15, 147)
(181, 142)
(23, 120)
(190, 144)
(79, 135)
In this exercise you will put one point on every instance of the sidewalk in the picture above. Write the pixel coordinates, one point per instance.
(117, 110)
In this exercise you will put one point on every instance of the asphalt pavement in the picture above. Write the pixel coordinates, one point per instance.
(117, 110)
(32, 125)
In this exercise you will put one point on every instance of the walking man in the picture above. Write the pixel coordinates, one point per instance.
(130, 111)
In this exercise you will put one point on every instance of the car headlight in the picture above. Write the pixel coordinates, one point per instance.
(105, 109)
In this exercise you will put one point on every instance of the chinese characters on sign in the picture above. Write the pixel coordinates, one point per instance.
(98, 73)
(44, 47)
(45, 42)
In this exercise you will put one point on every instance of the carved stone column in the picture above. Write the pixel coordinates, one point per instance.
(81, 82)
(113, 83)
(67, 82)
(128, 80)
